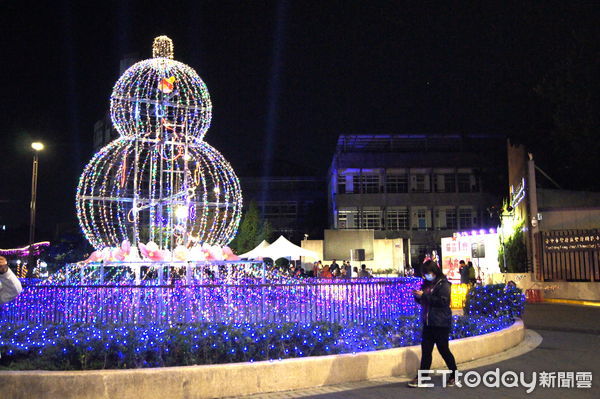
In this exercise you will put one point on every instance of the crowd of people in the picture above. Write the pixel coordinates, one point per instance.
(467, 272)
(328, 271)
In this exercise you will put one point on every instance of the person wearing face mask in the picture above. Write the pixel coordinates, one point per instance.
(434, 298)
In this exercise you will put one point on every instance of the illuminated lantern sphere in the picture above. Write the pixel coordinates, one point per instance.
(178, 194)
(161, 98)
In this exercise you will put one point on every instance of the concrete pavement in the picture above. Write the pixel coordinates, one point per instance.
(570, 342)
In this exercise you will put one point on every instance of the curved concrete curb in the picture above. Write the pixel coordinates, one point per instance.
(212, 381)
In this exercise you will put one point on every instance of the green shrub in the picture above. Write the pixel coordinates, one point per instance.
(515, 253)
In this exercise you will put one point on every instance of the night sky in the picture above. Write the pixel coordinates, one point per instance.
(285, 78)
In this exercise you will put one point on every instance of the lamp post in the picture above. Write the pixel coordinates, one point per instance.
(37, 147)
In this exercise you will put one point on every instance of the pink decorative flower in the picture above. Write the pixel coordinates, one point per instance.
(126, 246)
(151, 251)
(229, 255)
(95, 256)
(126, 253)
(181, 253)
(197, 254)
(118, 254)
(108, 254)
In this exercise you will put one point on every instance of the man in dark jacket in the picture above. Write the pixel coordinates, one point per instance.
(471, 273)
(434, 297)
(334, 268)
(464, 272)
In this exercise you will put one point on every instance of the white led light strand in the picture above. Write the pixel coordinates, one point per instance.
(159, 181)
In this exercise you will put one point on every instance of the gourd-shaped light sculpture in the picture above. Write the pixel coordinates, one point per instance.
(159, 181)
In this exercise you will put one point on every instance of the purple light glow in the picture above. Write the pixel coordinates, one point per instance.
(474, 232)
(241, 302)
(24, 251)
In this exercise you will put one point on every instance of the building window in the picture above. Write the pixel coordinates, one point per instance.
(371, 219)
(474, 183)
(464, 183)
(397, 219)
(396, 183)
(420, 186)
(367, 184)
(281, 214)
(451, 219)
(417, 254)
(422, 219)
(280, 210)
(420, 183)
(465, 218)
(347, 219)
(445, 183)
(444, 180)
(342, 221)
(341, 184)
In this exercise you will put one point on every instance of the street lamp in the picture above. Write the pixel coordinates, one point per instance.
(37, 147)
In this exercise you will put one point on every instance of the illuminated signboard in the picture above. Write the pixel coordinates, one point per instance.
(517, 195)
(567, 241)
(460, 247)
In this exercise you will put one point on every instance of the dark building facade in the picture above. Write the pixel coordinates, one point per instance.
(294, 206)
(104, 131)
(417, 187)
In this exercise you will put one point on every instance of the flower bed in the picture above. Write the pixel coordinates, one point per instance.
(84, 346)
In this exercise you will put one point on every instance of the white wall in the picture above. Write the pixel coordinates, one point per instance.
(312, 245)
(387, 253)
(564, 219)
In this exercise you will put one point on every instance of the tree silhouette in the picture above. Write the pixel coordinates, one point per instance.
(253, 229)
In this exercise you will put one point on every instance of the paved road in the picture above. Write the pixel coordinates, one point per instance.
(570, 342)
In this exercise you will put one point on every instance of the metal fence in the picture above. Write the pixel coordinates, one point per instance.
(162, 272)
(569, 255)
(306, 301)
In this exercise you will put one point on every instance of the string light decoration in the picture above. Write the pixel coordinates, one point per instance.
(245, 321)
(213, 300)
(36, 248)
(37, 344)
(495, 300)
(162, 47)
(161, 98)
(159, 182)
(146, 192)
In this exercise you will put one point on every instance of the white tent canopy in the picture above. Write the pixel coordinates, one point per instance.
(255, 253)
(281, 248)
